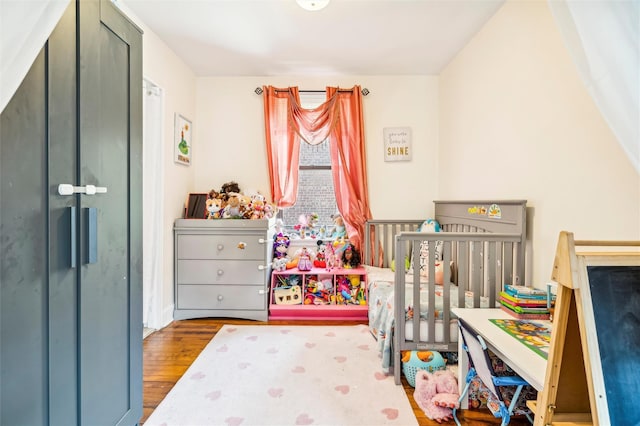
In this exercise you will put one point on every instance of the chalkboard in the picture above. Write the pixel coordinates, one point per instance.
(615, 296)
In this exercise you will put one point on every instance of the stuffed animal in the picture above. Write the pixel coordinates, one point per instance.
(320, 260)
(280, 264)
(214, 208)
(228, 189)
(436, 394)
(447, 389)
(339, 230)
(280, 246)
(232, 210)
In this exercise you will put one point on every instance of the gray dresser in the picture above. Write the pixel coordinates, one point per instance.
(222, 268)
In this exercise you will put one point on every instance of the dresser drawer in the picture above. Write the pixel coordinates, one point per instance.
(207, 246)
(221, 272)
(223, 297)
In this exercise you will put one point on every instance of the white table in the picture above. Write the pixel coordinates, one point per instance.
(528, 364)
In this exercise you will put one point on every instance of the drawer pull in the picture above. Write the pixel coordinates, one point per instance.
(261, 267)
(242, 245)
(220, 247)
(220, 297)
(220, 272)
(262, 291)
(262, 241)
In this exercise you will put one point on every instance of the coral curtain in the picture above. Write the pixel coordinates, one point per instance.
(283, 144)
(340, 119)
(348, 162)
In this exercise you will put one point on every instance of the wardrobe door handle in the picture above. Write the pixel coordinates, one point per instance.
(91, 217)
(72, 235)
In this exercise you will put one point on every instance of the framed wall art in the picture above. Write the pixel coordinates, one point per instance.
(397, 143)
(182, 140)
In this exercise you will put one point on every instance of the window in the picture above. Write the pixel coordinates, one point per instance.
(315, 182)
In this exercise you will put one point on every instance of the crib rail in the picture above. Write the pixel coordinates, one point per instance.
(483, 263)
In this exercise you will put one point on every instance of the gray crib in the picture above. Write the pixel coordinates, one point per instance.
(484, 244)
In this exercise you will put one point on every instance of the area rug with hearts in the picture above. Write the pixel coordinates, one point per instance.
(286, 375)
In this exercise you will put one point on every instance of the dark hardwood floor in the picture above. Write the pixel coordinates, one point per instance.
(170, 351)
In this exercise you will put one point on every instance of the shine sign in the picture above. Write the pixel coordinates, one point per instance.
(397, 144)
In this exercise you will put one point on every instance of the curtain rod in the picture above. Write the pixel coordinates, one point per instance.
(364, 91)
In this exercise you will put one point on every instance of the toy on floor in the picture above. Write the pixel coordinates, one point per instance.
(436, 394)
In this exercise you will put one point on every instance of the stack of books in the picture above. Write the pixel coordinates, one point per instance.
(526, 302)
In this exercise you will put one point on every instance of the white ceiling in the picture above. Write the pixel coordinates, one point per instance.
(348, 37)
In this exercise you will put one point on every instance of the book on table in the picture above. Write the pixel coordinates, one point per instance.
(523, 292)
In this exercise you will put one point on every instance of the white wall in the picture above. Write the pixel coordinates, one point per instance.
(162, 66)
(508, 118)
(230, 130)
(517, 122)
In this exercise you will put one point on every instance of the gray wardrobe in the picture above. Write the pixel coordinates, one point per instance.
(71, 271)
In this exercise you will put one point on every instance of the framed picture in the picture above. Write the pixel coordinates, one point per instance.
(182, 140)
(397, 144)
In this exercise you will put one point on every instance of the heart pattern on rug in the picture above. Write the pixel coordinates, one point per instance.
(273, 375)
(214, 395)
(343, 389)
(234, 421)
(380, 376)
(304, 419)
(197, 376)
(391, 413)
(276, 392)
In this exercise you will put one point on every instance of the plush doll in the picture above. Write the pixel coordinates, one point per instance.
(350, 257)
(280, 246)
(427, 395)
(229, 188)
(304, 260)
(280, 264)
(270, 210)
(320, 260)
(232, 210)
(447, 389)
(339, 230)
(214, 208)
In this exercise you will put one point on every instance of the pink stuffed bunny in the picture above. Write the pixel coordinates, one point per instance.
(424, 394)
(447, 389)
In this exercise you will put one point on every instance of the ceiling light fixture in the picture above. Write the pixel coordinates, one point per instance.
(312, 5)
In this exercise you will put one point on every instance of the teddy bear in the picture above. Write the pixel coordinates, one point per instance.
(437, 394)
(232, 209)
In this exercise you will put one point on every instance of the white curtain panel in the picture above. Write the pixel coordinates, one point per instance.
(153, 201)
(603, 38)
(25, 25)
